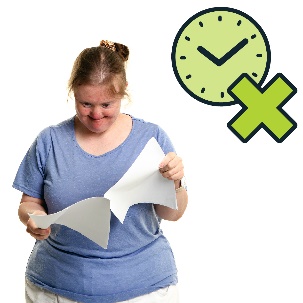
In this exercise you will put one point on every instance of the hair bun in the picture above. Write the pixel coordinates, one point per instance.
(119, 48)
(122, 50)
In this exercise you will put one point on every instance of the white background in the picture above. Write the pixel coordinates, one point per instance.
(240, 239)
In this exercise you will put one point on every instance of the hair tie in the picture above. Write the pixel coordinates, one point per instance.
(108, 44)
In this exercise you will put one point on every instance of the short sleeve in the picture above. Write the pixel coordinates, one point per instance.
(164, 141)
(30, 175)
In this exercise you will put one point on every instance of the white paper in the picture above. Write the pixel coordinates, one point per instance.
(90, 217)
(142, 183)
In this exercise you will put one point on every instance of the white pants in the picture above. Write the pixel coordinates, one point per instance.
(35, 294)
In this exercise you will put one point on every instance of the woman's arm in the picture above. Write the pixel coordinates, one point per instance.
(35, 206)
(172, 168)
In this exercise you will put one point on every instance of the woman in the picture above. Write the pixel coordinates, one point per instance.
(83, 157)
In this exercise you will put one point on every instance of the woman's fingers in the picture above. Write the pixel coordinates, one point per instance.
(171, 167)
(36, 232)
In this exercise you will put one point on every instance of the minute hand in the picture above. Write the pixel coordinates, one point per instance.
(224, 58)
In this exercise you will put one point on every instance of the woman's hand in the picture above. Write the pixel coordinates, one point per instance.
(172, 167)
(31, 205)
(36, 232)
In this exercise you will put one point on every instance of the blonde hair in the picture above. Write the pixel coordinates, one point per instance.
(101, 65)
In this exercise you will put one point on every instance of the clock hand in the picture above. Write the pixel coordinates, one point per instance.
(226, 57)
(233, 51)
(208, 55)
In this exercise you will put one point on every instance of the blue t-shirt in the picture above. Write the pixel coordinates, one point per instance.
(138, 259)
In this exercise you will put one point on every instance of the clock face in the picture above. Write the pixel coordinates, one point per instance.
(213, 48)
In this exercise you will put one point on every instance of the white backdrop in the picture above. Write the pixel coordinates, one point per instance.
(240, 239)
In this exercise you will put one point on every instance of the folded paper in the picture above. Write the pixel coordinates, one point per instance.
(90, 217)
(142, 183)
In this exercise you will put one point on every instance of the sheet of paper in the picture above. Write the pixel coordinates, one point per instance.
(142, 183)
(90, 217)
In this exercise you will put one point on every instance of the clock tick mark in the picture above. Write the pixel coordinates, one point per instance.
(187, 38)
(254, 74)
(222, 95)
(259, 55)
(188, 76)
(239, 22)
(201, 23)
(220, 18)
(182, 57)
(253, 36)
(203, 90)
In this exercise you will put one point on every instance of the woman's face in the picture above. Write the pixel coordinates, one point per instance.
(96, 108)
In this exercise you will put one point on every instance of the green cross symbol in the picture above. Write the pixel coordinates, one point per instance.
(262, 108)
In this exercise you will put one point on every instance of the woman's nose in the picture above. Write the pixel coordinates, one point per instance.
(96, 112)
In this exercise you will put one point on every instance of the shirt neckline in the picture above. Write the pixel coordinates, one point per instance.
(107, 153)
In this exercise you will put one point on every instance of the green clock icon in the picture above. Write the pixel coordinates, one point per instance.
(213, 48)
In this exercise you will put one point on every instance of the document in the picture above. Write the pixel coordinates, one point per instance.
(90, 217)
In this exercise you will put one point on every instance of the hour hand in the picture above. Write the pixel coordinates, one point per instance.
(209, 55)
(227, 56)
